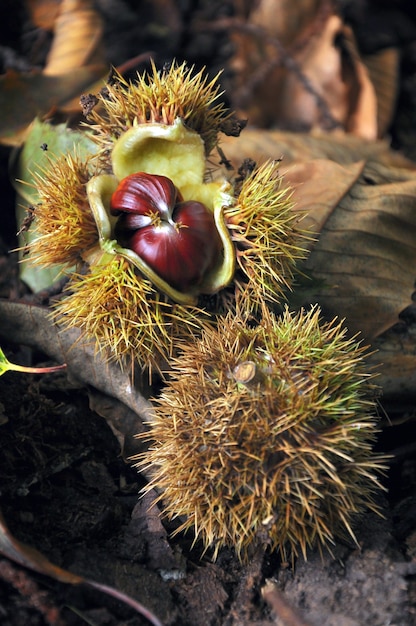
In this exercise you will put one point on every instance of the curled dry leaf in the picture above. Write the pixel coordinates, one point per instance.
(383, 68)
(297, 66)
(43, 13)
(77, 40)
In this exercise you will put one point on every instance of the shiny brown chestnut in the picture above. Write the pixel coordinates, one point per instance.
(177, 239)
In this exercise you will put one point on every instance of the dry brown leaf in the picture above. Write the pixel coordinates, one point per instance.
(43, 13)
(363, 265)
(300, 69)
(362, 210)
(261, 144)
(360, 117)
(77, 40)
(285, 18)
(312, 194)
(384, 69)
(340, 80)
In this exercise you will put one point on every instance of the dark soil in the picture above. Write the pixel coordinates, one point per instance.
(65, 487)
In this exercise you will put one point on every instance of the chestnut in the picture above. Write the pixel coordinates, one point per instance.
(178, 239)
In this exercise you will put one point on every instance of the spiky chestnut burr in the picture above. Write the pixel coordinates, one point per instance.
(129, 320)
(266, 233)
(251, 226)
(64, 225)
(266, 430)
(159, 97)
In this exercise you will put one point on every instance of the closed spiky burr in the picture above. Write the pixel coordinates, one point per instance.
(266, 431)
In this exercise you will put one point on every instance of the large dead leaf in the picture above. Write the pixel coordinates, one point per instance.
(33, 326)
(313, 196)
(360, 207)
(77, 40)
(260, 144)
(362, 266)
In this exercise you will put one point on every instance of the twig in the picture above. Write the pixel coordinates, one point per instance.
(28, 589)
(284, 613)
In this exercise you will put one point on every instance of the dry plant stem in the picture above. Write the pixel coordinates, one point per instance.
(36, 370)
(284, 613)
(28, 589)
(249, 583)
(134, 604)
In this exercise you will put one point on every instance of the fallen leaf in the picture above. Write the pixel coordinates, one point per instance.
(357, 197)
(297, 66)
(383, 68)
(33, 326)
(23, 97)
(43, 13)
(261, 144)
(77, 40)
(362, 265)
(312, 195)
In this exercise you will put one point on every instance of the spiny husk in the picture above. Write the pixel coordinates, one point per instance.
(129, 320)
(64, 225)
(266, 232)
(159, 97)
(266, 431)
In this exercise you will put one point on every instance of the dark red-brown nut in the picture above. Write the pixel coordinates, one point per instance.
(177, 239)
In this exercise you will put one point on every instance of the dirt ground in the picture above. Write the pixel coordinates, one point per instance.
(66, 489)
